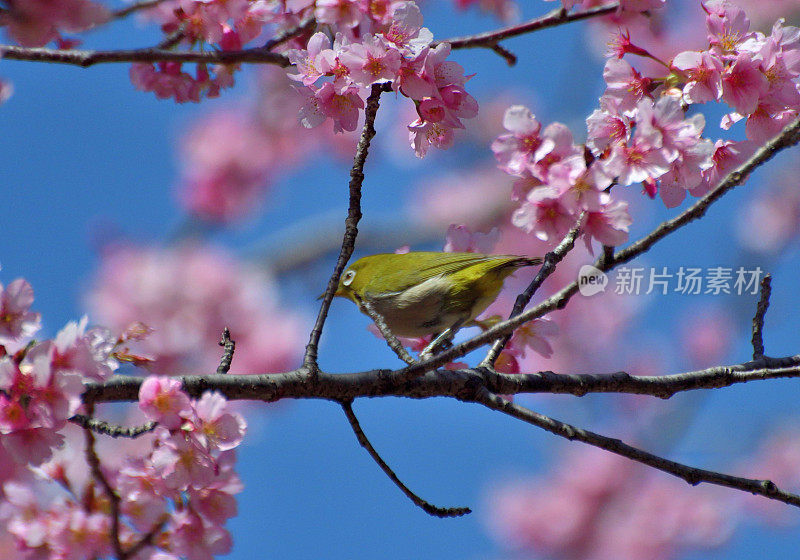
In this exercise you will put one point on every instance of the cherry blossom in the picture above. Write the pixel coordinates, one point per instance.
(17, 321)
(187, 295)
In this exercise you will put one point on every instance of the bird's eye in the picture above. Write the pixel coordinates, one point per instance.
(348, 277)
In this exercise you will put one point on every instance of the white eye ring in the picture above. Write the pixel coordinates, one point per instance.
(348, 277)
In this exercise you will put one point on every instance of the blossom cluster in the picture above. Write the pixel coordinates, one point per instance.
(34, 23)
(754, 74)
(642, 134)
(187, 295)
(232, 157)
(176, 491)
(598, 506)
(556, 182)
(506, 10)
(41, 382)
(398, 51)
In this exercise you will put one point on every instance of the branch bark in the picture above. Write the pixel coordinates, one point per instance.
(460, 384)
(350, 223)
(692, 475)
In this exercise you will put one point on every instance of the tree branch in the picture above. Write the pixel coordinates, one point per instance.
(113, 430)
(758, 318)
(490, 39)
(429, 508)
(350, 223)
(289, 34)
(692, 475)
(460, 384)
(86, 58)
(262, 55)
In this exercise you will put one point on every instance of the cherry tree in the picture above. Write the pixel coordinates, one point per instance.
(120, 433)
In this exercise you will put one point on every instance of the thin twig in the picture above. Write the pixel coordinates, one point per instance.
(490, 39)
(227, 356)
(551, 260)
(289, 34)
(113, 430)
(148, 538)
(692, 475)
(788, 137)
(172, 39)
(85, 58)
(135, 7)
(388, 335)
(508, 56)
(429, 508)
(100, 477)
(758, 318)
(350, 223)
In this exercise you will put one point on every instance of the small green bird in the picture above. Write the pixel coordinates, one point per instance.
(426, 292)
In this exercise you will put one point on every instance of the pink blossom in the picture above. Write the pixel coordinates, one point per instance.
(406, 29)
(162, 399)
(506, 10)
(216, 501)
(17, 321)
(625, 86)
(607, 127)
(228, 162)
(423, 134)
(34, 23)
(461, 240)
(371, 61)
(769, 222)
(743, 83)
(609, 225)
(309, 63)
(31, 446)
(187, 295)
(702, 70)
(516, 152)
(602, 507)
(459, 103)
(193, 537)
(344, 13)
(579, 187)
(727, 156)
(544, 215)
(216, 428)
(342, 108)
(642, 159)
(79, 535)
(686, 173)
(182, 461)
(6, 91)
(534, 335)
(83, 352)
(439, 70)
(727, 24)
(167, 79)
(411, 81)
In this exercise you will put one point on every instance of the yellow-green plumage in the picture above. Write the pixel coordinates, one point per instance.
(423, 293)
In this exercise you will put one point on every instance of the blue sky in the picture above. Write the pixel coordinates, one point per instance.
(86, 154)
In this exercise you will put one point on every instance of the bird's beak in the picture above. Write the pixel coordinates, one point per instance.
(338, 292)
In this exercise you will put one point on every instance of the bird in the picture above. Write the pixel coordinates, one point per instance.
(424, 293)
